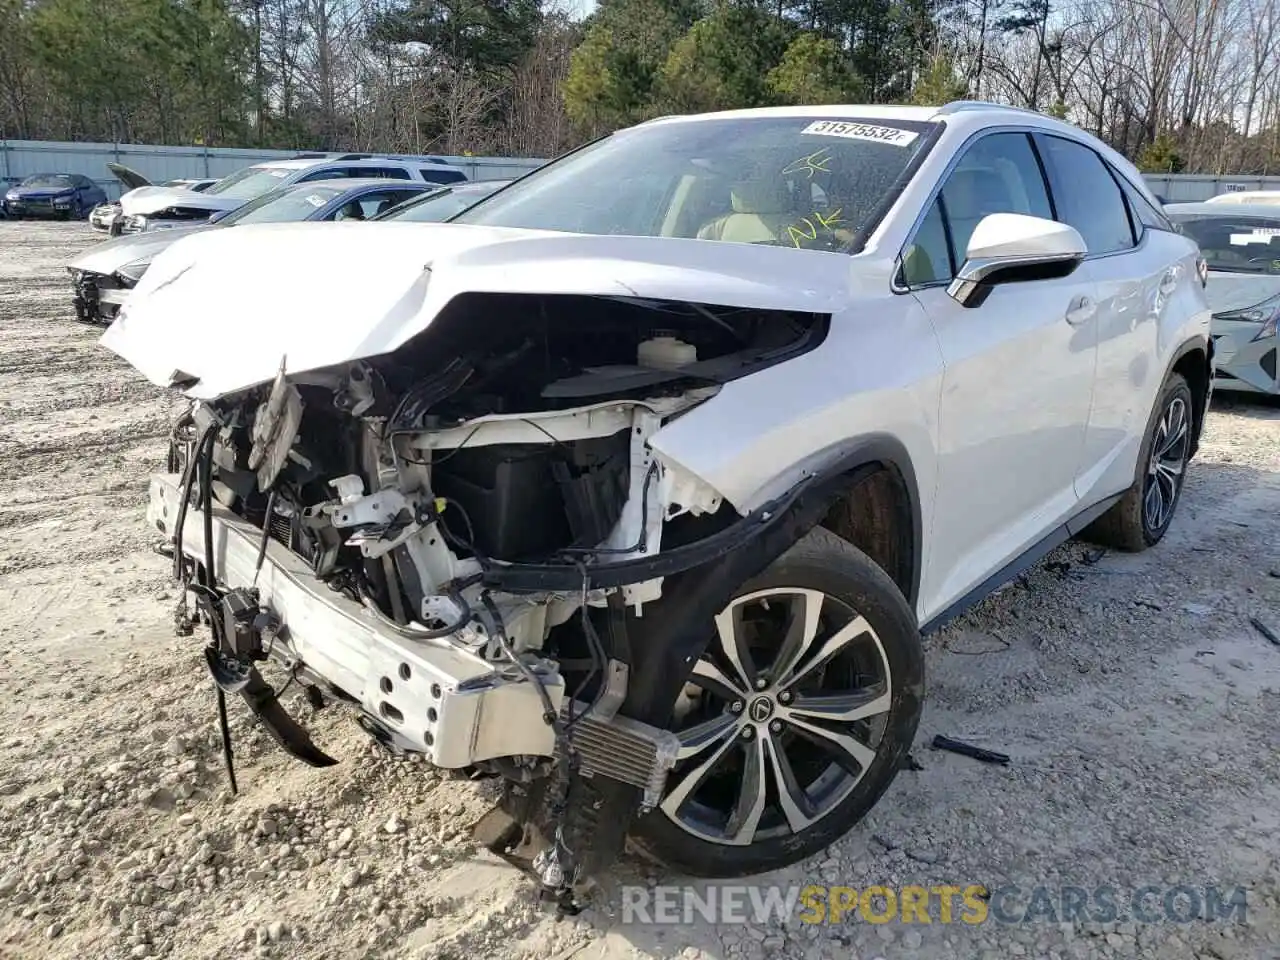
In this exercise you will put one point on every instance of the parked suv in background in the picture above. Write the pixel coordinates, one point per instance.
(158, 208)
(683, 439)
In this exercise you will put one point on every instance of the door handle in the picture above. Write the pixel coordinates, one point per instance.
(1082, 310)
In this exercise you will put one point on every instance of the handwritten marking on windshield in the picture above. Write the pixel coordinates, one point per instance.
(816, 162)
(807, 229)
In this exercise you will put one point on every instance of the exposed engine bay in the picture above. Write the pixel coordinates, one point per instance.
(454, 538)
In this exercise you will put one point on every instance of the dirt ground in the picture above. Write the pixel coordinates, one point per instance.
(1132, 693)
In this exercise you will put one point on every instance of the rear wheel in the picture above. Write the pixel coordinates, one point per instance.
(1142, 516)
(795, 720)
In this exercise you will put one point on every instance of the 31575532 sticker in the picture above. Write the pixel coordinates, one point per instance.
(875, 133)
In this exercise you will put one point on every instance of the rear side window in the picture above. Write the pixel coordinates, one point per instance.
(432, 175)
(386, 173)
(1086, 195)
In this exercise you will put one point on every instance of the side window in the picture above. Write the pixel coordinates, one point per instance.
(1142, 208)
(1086, 195)
(385, 173)
(927, 259)
(998, 174)
(442, 176)
(380, 201)
(326, 173)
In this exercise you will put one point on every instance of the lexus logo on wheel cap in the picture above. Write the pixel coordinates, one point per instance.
(761, 709)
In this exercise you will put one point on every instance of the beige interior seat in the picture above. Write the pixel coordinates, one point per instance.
(762, 211)
(917, 266)
(351, 211)
(970, 195)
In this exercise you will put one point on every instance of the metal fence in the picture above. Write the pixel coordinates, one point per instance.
(1195, 187)
(22, 158)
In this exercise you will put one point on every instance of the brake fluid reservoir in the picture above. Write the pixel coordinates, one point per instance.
(666, 353)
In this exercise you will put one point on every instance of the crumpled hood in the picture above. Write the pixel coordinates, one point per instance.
(227, 306)
(110, 255)
(148, 200)
(131, 179)
(1236, 291)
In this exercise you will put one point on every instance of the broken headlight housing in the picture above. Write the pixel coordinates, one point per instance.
(131, 273)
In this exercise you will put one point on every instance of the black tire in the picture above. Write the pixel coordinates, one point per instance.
(848, 581)
(1129, 525)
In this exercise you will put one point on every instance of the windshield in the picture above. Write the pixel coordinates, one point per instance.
(284, 205)
(439, 205)
(250, 182)
(53, 180)
(810, 182)
(1236, 244)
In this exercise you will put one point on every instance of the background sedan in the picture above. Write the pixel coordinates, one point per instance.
(62, 195)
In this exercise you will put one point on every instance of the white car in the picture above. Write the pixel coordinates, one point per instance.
(160, 208)
(1241, 245)
(1253, 197)
(669, 451)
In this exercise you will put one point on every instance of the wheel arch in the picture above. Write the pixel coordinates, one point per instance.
(1193, 359)
(858, 495)
(876, 506)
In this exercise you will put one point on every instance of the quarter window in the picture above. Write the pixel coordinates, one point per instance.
(1142, 208)
(927, 259)
(1086, 195)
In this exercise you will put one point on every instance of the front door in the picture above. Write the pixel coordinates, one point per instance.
(1017, 381)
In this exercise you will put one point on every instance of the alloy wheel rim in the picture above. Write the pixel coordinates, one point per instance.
(781, 719)
(1167, 465)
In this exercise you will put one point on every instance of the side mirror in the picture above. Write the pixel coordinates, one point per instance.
(1013, 248)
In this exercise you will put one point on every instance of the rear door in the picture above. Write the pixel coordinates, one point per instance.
(1017, 380)
(1136, 269)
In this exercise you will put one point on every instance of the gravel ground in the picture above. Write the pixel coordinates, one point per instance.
(1131, 692)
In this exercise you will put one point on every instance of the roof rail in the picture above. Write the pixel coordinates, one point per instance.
(355, 156)
(310, 156)
(959, 106)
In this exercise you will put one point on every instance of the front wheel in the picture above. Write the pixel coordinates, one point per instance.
(795, 720)
(1142, 516)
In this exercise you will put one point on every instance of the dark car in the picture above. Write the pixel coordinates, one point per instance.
(64, 195)
(439, 205)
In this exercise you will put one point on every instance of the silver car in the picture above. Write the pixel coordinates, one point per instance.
(103, 276)
(1241, 245)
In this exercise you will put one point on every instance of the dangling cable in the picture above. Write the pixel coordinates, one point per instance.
(266, 533)
(210, 583)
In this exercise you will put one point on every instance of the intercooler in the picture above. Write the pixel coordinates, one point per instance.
(623, 749)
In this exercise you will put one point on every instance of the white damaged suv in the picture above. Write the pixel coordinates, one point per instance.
(636, 484)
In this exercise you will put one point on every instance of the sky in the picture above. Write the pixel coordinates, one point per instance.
(579, 8)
